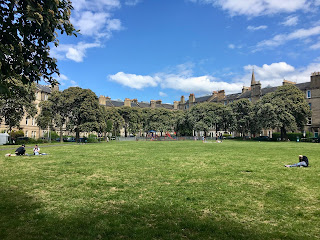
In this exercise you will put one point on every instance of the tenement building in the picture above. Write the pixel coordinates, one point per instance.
(255, 92)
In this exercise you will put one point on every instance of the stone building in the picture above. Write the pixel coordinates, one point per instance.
(255, 92)
(106, 101)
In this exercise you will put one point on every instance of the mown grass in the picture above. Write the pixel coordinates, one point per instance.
(161, 190)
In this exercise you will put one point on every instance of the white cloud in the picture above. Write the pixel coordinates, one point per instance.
(315, 46)
(134, 81)
(253, 28)
(290, 21)
(182, 79)
(231, 46)
(254, 8)
(114, 25)
(275, 73)
(132, 2)
(162, 94)
(202, 84)
(75, 52)
(281, 39)
(89, 23)
(65, 81)
(95, 22)
(96, 4)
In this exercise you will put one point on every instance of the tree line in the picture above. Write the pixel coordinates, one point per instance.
(78, 110)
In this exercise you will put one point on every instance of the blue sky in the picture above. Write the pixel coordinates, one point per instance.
(162, 49)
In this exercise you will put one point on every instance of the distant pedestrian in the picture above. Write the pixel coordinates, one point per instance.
(303, 162)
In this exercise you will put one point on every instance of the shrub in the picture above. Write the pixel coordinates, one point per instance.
(92, 136)
(92, 140)
(291, 136)
(16, 134)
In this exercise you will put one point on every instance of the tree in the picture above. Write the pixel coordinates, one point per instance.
(14, 105)
(199, 119)
(243, 115)
(182, 125)
(27, 27)
(53, 112)
(161, 120)
(288, 108)
(83, 110)
(132, 119)
(117, 122)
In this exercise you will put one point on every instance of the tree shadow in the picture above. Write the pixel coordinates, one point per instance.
(23, 217)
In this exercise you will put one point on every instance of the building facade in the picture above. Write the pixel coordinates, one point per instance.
(255, 92)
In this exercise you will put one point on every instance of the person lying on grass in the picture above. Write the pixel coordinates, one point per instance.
(21, 150)
(303, 162)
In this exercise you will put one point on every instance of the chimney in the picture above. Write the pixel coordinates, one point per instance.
(315, 80)
(54, 87)
(159, 102)
(245, 89)
(286, 82)
(221, 95)
(175, 105)
(192, 99)
(102, 100)
(153, 103)
(127, 102)
(182, 101)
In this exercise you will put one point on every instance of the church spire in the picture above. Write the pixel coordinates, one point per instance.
(253, 79)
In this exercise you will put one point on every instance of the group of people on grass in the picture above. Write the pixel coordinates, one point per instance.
(22, 150)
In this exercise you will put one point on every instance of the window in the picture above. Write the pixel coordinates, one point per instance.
(309, 122)
(308, 93)
(27, 120)
(27, 134)
(33, 122)
(310, 105)
(45, 97)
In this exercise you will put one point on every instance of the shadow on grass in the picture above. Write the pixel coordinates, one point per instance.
(22, 217)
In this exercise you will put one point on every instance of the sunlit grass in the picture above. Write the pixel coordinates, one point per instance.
(161, 190)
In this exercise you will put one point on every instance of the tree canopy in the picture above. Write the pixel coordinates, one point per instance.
(14, 105)
(83, 110)
(27, 27)
(286, 108)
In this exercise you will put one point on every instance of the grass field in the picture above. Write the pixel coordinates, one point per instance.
(161, 190)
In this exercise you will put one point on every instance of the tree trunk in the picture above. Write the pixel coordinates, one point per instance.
(125, 131)
(61, 135)
(77, 134)
(283, 133)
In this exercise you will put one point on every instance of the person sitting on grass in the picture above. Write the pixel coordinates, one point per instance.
(36, 150)
(21, 150)
(303, 162)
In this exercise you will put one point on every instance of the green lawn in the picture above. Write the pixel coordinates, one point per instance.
(161, 190)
